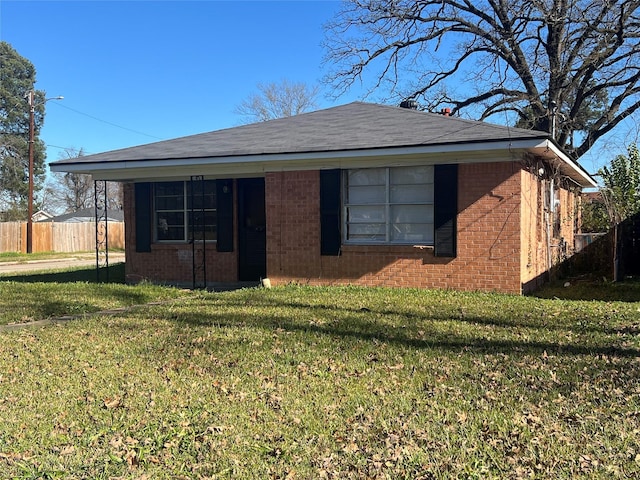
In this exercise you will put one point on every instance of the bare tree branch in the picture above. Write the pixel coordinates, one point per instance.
(277, 100)
(581, 56)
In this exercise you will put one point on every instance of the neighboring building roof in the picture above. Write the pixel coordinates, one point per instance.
(593, 197)
(40, 216)
(86, 215)
(311, 140)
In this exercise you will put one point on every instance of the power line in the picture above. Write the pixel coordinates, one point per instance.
(107, 122)
(48, 145)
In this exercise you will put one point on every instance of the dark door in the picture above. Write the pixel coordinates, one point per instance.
(252, 228)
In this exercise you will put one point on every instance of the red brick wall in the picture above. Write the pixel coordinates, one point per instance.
(488, 238)
(534, 252)
(171, 263)
(541, 249)
(500, 239)
(293, 224)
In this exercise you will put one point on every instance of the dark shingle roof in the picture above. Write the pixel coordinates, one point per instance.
(354, 126)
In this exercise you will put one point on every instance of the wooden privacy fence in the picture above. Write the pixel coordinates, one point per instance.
(57, 237)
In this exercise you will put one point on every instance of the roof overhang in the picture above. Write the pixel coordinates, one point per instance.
(557, 157)
(257, 165)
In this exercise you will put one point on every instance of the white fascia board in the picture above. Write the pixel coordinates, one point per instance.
(570, 168)
(472, 152)
(257, 165)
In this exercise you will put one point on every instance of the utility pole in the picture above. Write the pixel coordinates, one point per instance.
(32, 107)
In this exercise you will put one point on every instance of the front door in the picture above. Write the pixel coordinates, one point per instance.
(252, 229)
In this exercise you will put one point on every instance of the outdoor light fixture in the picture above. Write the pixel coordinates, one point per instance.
(32, 109)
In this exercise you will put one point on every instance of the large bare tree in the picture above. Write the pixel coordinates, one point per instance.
(568, 67)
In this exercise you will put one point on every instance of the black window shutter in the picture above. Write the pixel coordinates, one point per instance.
(446, 209)
(330, 212)
(224, 206)
(143, 216)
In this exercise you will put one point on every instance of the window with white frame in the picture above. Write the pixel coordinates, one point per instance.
(176, 208)
(389, 205)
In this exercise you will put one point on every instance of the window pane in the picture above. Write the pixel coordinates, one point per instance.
(406, 193)
(170, 225)
(367, 231)
(367, 214)
(169, 210)
(200, 200)
(366, 176)
(366, 194)
(169, 196)
(411, 175)
(412, 232)
(412, 194)
(412, 214)
(169, 188)
(170, 203)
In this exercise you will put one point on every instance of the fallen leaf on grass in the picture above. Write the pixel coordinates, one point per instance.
(351, 447)
(132, 458)
(114, 402)
(13, 456)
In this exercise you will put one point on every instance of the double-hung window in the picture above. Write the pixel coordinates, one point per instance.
(181, 214)
(393, 205)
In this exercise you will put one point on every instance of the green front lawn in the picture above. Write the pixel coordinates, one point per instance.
(308, 383)
(33, 296)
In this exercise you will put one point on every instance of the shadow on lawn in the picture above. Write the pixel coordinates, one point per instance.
(87, 274)
(356, 325)
(501, 318)
(589, 289)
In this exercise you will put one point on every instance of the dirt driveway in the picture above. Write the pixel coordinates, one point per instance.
(57, 263)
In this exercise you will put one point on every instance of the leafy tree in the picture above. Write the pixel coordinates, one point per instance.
(594, 215)
(277, 100)
(621, 185)
(17, 79)
(576, 62)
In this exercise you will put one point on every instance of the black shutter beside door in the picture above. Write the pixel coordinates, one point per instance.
(143, 216)
(224, 206)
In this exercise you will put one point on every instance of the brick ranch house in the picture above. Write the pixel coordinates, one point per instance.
(355, 194)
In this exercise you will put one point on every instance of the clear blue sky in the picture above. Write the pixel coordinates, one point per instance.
(163, 69)
(166, 69)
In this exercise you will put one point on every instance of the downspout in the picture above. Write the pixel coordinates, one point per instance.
(547, 215)
(549, 256)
